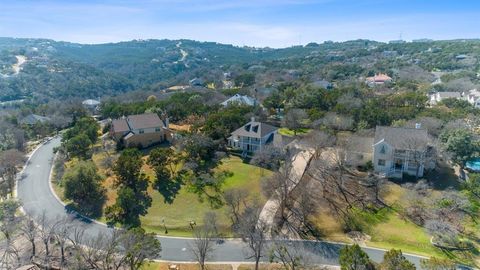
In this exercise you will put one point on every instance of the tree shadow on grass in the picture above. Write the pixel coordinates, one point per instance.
(168, 189)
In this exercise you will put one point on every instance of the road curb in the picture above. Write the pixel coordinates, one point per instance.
(20, 174)
(60, 200)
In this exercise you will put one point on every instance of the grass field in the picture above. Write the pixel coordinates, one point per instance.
(186, 207)
(289, 132)
(388, 229)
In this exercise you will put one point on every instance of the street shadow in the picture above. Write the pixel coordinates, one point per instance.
(92, 210)
(319, 252)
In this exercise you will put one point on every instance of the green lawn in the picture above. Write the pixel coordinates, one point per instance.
(186, 206)
(289, 132)
(386, 228)
(402, 234)
(395, 232)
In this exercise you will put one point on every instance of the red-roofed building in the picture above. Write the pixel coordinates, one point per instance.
(378, 79)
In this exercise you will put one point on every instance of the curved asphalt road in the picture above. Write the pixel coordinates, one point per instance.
(34, 192)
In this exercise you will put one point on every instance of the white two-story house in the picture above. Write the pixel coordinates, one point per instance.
(473, 97)
(253, 136)
(398, 151)
(437, 97)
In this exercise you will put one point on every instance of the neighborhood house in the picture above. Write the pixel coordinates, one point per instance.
(91, 104)
(33, 119)
(378, 79)
(252, 137)
(435, 98)
(140, 130)
(239, 100)
(473, 97)
(399, 150)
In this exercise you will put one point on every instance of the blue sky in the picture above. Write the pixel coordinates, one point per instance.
(273, 23)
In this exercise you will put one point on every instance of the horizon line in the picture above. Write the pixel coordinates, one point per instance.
(247, 46)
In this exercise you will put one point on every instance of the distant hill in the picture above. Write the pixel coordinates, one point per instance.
(63, 70)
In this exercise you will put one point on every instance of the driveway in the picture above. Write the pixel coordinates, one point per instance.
(299, 163)
(34, 192)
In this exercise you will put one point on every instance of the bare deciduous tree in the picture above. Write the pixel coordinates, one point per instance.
(254, 232)
(203, 244)
(291, 255)
(269, 157)
(30, 232)
(279, 186)
(431, 124)
(300, 207)
(342, 189)
(46, 233)
(61, 231)
(294, 119)
(418, 153)
(337, 122)
(9, 161)
(236, 200)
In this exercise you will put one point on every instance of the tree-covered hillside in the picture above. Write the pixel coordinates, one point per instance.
(53, 70)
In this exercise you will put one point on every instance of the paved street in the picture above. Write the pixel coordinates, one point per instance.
(35, 193)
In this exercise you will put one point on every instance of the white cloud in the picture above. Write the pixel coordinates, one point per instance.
(235, 22)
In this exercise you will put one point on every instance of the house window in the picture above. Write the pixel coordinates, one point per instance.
(157, 129)
(383, 150)
(381, 162)
(141, 131)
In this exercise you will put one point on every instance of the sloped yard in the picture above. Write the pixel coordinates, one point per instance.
(388, 228)
(186, 207)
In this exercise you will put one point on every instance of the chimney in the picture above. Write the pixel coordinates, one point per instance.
(418, 125)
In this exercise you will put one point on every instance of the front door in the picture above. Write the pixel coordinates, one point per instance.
(398, 164)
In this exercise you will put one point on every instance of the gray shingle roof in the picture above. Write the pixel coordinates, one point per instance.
(359, 144)
(138, 121)
(449, 94)
(255, 130)
(239, 99)
(120, 125)
(402, 138)
(146, 120)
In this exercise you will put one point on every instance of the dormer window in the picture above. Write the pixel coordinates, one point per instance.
(247, 127)
(255, 129)
(383, 150)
